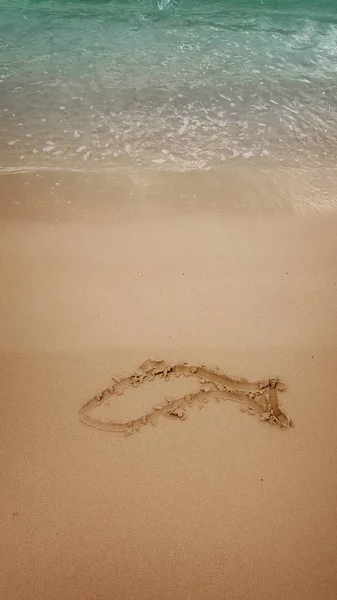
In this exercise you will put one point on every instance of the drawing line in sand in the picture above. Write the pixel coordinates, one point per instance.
(256, 397)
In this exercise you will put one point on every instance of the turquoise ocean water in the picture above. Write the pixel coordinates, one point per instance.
(181, 84)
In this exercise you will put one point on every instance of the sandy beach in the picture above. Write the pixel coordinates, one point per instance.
(218, 506)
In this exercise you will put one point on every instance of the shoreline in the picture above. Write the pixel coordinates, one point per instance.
(125, 195)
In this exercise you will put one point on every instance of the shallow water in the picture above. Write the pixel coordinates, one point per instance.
(173, 85)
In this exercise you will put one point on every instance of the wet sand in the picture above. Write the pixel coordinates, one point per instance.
(219, 505)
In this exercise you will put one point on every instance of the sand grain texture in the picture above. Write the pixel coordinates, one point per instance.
(219, 506)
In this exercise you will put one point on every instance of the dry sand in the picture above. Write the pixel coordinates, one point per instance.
(218, 506)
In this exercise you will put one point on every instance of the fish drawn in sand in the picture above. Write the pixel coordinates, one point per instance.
(256, 397)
